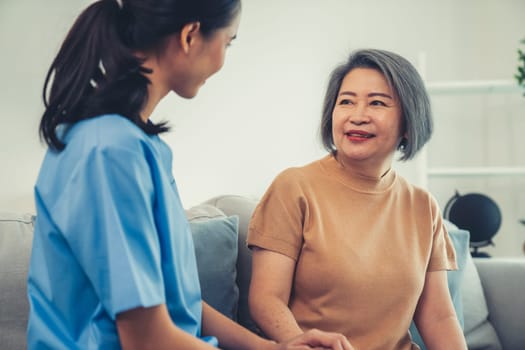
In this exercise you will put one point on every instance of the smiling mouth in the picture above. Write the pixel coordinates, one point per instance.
(360, 135)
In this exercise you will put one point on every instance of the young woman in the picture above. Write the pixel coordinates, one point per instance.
(344, 243)
(113, 263)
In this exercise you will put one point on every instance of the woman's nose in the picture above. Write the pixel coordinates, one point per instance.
(359, 115)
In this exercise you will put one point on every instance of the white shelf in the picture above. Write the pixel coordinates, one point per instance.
(464, 87)
(474, 86)
(475, 171)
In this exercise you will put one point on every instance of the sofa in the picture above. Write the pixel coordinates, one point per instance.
(488, 293)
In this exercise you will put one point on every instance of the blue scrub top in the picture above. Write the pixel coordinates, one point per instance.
(110, 235)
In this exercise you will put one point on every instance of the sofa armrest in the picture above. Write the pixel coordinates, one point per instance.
(503, 281)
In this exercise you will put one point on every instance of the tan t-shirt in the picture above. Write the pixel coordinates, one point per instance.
(362, 248)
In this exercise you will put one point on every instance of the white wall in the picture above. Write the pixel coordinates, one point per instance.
(260, 114)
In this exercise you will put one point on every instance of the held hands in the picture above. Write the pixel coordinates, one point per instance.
(315, 339)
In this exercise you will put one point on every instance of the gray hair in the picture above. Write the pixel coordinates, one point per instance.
(405, 82)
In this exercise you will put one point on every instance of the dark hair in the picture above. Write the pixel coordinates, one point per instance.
(406, 83)
(96, 72)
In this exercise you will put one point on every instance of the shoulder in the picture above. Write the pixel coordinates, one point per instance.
(298, 175)
(419, 196)
(114, 141)
(106, 132)
(108, 129)
(410, 188)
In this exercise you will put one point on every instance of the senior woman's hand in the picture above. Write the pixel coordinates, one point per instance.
(315, 339)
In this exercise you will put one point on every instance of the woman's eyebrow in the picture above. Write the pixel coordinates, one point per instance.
(372, 94)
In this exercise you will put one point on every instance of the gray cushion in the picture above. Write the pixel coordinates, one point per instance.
(503, 281)
(16, 234)
(479, 332)
(243, 207)
(215, 240)
(203, 212)
(468, 298)
(467, 295)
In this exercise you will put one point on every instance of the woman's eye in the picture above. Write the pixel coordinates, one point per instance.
(345, 102)
(377, 103)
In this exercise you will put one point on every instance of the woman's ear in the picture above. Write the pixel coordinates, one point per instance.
(188, 35)
(403, 141)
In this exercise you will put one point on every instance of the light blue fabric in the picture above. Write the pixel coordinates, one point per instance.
(216, 249)
(460, 239)
(110, 235)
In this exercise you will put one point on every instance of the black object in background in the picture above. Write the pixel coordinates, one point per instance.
(478, 214)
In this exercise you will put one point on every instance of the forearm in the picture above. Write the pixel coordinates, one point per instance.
(274, 318)
(435, 316)
(270, 290)
(231, 335)
(152, 328)
(444, 333)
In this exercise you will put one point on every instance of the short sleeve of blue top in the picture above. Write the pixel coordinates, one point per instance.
(110, 235)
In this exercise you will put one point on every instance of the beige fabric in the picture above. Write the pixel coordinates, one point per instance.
(362, 247)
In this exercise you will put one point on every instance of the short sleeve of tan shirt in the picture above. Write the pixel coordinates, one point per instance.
(278, 220)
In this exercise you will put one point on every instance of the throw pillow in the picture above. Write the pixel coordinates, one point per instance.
(203, 212)
(460, 240)
(243, 207)
(215, 242)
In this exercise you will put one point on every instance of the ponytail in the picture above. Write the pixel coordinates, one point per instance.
(95, 73)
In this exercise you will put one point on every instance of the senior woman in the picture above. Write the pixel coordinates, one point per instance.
(345, 243)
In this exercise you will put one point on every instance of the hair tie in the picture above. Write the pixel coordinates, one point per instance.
(119, 3)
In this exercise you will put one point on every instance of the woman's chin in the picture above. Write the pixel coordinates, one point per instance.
(188, 94)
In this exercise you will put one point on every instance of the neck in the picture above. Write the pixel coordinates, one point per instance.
(366, 168)
(156, 89)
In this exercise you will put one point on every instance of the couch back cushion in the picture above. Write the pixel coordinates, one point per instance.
(503, 281)
(243, 207)
(468, 298)
(479, 331)
(215, 239)
(16, 235)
